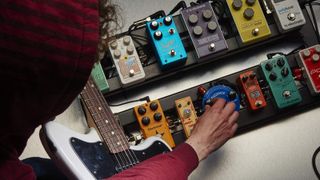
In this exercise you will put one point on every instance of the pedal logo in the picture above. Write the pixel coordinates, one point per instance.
(315, 71)
(285, 9)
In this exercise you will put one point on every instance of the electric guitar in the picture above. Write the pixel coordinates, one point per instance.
(87, 156)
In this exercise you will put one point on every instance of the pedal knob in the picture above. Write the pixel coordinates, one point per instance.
(272, 76)
(130, 49)
(207, 15)
(212, 47)
(250, 2)
(154, 25)
(255, 31)
(157, 116)
(291, 16)
(268, 66)
(315, 58)
(153, 106)
(244, 78)
(117, 53)
(145, 120)
(167, 21)
(285, 72)
(248, 13)
(317, 48)
(252, 75)
(232, 95)
(126, 40)
(286, 94)
(306, 53)
(114, 45)
(237, 4)
(142, 110)
(197, 31)
(193, 19)
(280, 62)
(212, 26)
(157, 35)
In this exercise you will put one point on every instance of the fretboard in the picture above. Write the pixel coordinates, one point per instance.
(110, 130)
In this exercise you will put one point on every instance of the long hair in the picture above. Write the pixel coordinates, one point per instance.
(109, 24)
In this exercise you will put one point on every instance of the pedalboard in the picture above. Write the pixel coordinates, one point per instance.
(187, 114)
(152, 121)
(126, 60)
(309, 60)
(221, 91)
(99, 77)
(167, 45)
(252, 90)
(204, 30)
(288, 14)
(249, 19)
(278, 74)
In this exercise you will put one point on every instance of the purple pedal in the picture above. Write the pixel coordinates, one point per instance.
(204, 30)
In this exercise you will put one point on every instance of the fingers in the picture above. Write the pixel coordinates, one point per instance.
(233, 118)
(219, 104)
(233, 130)
(229, 109)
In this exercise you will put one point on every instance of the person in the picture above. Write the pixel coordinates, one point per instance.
(47, 50)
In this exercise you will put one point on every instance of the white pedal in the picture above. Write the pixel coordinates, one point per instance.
(126, 60)
(288, 14)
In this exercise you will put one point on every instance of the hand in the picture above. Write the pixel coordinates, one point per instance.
(214, 128)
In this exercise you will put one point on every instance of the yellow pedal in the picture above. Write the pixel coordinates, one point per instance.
(152, 121)
(249, 19)
(187, 114)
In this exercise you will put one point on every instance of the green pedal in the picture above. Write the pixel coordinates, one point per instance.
(99, 77)
(279, 77)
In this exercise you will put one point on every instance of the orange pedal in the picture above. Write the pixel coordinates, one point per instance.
(153, 122)
(252, 90)
(187, 114)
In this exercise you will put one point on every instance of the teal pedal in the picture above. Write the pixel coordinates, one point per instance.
(279, 77)
(100, 78)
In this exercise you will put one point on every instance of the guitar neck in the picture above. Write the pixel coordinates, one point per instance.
(109, 128)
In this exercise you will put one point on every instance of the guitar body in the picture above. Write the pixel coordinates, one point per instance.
(84, 156)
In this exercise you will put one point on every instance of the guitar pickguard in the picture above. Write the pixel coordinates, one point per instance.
(102, 164)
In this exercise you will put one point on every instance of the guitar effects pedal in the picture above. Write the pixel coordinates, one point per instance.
(309, 60)
(249, 19)
(279, 77)
(166, 42)
(204, 29)
(187, 114)
(126, 60)
(100, 78)
(221, 91)
(251, 87)
(152, 121)
(288, 14)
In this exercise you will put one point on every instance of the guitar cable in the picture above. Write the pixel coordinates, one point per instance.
(314, 165)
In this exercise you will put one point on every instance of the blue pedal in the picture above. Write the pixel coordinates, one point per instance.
(221, 91)
(166, 42)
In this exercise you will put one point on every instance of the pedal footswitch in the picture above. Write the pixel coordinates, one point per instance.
(309, 59)
(187, 114)
(251, 87)
(204, 30)
(249, 19)
(126, 60)
(288, 14)
(166, 42)
(279, 77)
(152, 121)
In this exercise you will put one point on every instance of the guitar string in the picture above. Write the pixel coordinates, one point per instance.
(129, 151)
(117, 157)
(102, 102)
(116, 126)
(86, 101)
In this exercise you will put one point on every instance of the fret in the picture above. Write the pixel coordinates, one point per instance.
(110, 130)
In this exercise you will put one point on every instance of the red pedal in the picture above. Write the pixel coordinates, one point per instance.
(251, 87)
(309, 59)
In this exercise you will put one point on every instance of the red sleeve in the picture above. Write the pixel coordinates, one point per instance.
(176, 165)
